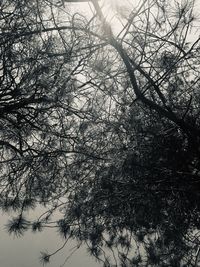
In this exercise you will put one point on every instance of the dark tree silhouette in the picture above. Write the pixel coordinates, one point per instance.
(103, 125)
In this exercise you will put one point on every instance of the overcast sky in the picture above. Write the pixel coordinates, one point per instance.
(25, 251)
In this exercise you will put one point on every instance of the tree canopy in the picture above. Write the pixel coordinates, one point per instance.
(99, 120)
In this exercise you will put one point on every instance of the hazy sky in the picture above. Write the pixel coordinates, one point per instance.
(25, 251)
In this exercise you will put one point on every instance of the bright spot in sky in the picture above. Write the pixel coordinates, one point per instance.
(109, 7)
(115, 11)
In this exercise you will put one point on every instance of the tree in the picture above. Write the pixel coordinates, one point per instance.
(103, 126)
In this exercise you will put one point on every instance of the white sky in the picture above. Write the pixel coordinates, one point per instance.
(125, 7)
(25, 251)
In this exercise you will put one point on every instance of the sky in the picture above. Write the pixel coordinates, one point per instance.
(25, 251)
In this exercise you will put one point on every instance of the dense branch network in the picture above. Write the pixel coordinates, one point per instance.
(103, 127)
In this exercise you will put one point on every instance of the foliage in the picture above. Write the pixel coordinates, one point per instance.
(103, 126)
